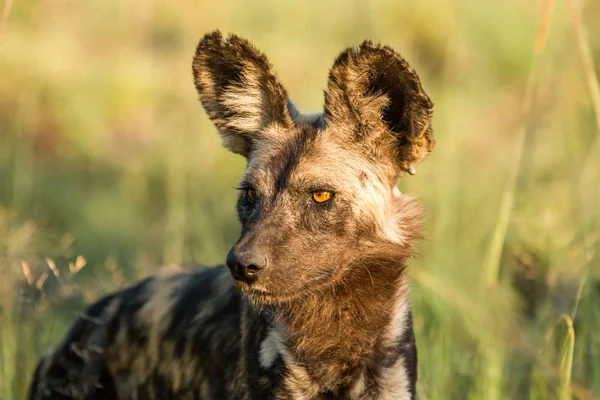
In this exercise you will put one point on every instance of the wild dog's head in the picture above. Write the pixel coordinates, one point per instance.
(318, 195)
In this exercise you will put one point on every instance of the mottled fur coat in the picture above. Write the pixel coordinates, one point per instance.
(314, 300)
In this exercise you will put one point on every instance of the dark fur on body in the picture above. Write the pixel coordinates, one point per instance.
(328, 316)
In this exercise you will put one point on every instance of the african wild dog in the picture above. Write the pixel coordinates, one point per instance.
(317, 302)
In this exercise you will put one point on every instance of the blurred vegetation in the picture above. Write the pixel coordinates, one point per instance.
(105, 153)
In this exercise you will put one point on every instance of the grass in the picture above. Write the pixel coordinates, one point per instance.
(106, 154)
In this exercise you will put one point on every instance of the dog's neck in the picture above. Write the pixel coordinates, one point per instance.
(344, 339)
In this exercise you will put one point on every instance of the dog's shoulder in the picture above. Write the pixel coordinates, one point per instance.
(156, 321)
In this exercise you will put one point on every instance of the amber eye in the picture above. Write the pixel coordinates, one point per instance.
(321, 196)
(252, 194)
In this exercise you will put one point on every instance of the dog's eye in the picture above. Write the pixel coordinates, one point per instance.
(252, 195)
(321, 196)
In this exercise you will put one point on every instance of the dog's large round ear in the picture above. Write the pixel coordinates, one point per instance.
(238, 90)
(374, 94)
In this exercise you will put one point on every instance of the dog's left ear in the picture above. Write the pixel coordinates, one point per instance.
(238, 90)
(374, 94)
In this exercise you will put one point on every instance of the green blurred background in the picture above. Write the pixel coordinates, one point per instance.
(106, 154)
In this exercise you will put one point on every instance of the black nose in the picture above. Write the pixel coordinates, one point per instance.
(245, 266)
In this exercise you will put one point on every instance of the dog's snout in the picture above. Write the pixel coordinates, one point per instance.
(246, 266)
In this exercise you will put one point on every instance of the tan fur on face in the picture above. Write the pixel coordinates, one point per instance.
(273, 141)
(374, 197)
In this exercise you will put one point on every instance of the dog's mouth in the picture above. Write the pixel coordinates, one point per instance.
(262, 294)
(261, 298)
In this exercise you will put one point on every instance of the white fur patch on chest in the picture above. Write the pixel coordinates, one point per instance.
(297, 384)
(270, 348)
(394, 383)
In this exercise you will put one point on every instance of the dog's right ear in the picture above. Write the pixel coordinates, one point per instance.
(238, 90)
(374, 93)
